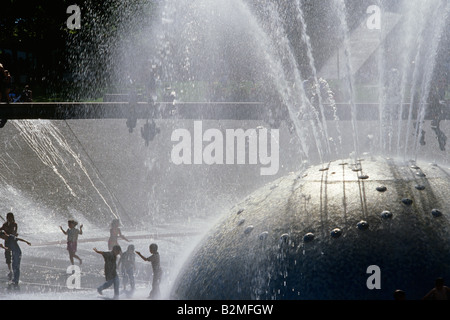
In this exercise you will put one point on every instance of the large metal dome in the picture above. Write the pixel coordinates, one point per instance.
(314, 234)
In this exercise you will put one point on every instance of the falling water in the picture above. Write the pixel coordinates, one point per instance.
(53, 150)
(290, 86)
(269, 55)
(438, 24)
(411, 31)
(381, 84)
(317, 84)
(415, 80)
(197, 42)
(290, 90)
(431, 20)
(341, 12)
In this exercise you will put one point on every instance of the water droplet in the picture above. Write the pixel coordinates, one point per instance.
(284, 238)
(364, 176)
(362, 225)
(323, 169)
(248, 229)
(407, 201)
(263, 235)
(240, 222)
(386, 215)
(308, 237)
(420, 174)
(240, 211)
(419, 187)
(336, 233)
(381, 188)
(436, 213)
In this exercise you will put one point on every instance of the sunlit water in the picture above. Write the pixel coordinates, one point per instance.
(44, 265)
(95, 171)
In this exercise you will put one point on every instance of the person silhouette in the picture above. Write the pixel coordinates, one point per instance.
(72, 239)
(399, 295)
(439, 292)
(110, 270)
(157, 272)
(127, 267)
(115, 233)
(13, 245)
(10, 227)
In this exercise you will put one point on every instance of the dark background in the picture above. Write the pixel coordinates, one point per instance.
(38, 49)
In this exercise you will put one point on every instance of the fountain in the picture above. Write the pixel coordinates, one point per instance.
(346, 214)
(317, 233)
(313, 234)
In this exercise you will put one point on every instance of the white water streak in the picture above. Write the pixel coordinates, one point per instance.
(341, 11)
(311, 59)
(51, 148)
(438, 28)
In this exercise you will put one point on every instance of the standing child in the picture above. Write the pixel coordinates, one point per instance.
(110, 270)
(16, 254)
(72, 239)
(114, 234)
(157, 272)
(10, 227)
(127, 264)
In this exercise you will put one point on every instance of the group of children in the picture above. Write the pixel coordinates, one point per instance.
(126, 261)
(13, 255)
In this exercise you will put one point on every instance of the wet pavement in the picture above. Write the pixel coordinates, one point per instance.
(46, 270)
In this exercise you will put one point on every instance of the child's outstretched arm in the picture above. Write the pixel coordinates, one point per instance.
(27, 242)
(140, 255)
(122, 236)
(98, 251)
(63, 230)
(3, 247)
